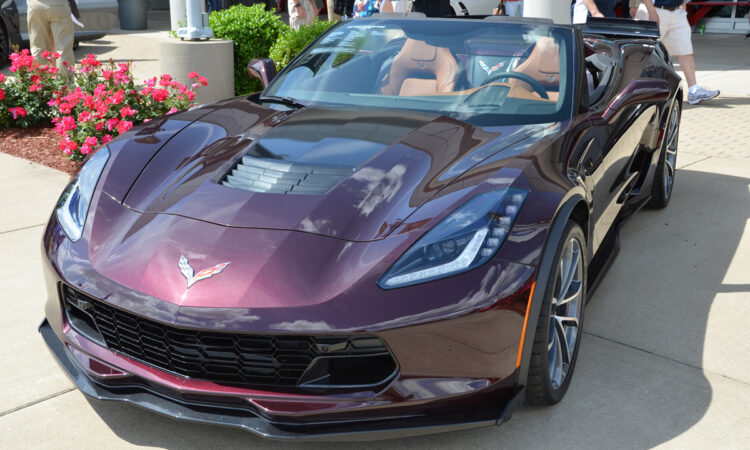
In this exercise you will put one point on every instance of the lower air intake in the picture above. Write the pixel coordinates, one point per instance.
(236, 359)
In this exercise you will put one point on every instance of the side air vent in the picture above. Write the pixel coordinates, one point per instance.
(283, 177)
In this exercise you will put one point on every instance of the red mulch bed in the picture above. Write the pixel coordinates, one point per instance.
(38, 144)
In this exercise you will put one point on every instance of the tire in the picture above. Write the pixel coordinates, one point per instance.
(666, 168)
(549, 373)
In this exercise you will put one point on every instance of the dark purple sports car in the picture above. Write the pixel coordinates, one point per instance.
(397, 236)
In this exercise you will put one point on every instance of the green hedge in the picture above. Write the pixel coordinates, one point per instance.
(290, 42)
(253, 30)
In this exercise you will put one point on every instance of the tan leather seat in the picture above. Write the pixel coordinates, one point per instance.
(543, 65)
(420, 69)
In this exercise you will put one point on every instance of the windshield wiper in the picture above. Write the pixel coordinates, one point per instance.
(288, 101)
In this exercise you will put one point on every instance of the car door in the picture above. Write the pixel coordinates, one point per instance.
(610, 145)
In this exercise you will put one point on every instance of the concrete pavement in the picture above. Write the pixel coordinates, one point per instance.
(665, 358)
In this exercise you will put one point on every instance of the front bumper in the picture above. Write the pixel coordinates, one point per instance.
(200, 412)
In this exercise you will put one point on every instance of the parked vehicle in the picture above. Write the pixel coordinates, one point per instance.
(9, 30)
(398, 235)
(98, 17)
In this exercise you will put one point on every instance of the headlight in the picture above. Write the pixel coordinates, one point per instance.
(74, 202)
(467, 238)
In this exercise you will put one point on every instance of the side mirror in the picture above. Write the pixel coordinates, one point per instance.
(263, 69)
(642, 90)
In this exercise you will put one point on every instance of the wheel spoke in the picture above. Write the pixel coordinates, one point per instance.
(571, 272)
(575, 287)
(562, 339)
(672, 132)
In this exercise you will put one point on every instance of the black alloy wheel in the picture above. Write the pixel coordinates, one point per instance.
(558, 332)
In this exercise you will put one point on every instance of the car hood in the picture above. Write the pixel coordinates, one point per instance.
(387, 162)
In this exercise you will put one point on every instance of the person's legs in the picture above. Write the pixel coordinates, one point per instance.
(331, 14)
(61, 26)
(514, 9)
(39, 30)
(687, 64)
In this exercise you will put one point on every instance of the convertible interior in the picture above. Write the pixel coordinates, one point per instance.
(482, 71)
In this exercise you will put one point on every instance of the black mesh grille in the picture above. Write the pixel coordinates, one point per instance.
(233, 358)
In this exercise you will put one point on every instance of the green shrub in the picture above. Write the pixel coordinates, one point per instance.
(291, 42)
(253, 30)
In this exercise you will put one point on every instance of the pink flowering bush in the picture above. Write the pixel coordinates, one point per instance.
(24, 96)
(92, 104)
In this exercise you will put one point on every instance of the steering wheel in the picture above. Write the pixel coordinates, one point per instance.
(537, 86)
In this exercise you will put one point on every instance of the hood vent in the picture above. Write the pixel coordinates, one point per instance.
(282, 177)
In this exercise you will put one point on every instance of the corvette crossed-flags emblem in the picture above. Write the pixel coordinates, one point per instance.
(192, 277)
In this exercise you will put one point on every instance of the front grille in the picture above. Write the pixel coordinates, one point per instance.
(233, 358)
(283, 177)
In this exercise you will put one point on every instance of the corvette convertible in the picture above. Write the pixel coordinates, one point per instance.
(398, 235)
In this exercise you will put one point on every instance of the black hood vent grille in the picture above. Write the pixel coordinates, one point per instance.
(283, 177)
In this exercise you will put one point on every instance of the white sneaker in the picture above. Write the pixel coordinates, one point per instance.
(701, 95)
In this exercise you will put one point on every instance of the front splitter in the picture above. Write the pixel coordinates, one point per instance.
(245, 420)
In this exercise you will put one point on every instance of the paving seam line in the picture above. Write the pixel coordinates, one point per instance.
(692, 366)
(23, 228)
(694, 162)
(32, 403)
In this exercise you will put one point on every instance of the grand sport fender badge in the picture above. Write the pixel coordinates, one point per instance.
(193, 277)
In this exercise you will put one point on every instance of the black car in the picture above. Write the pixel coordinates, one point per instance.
(9, 30)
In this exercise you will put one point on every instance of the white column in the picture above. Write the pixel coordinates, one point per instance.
(177, 15)
(557, 10)
(194, 29)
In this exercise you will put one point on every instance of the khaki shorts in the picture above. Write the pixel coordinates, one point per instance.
(674, 27)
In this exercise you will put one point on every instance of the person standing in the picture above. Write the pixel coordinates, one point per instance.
(582, 9)
(51, 28)
(332, 16)
(676, 36)
(301, 12)
(513, 8)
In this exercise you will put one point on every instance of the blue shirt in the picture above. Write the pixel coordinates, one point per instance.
(606, 7)
(668, 3)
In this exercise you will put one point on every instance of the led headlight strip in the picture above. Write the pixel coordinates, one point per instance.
(467, 238)
(73, 205)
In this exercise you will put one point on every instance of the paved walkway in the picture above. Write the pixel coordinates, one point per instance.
(665, 359)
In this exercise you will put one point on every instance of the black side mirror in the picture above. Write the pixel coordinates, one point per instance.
(638, 91)
(263, 69)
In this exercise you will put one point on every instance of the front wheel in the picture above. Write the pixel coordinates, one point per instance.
(558, 332)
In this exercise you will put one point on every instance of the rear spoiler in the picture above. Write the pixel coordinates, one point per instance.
(614, 27)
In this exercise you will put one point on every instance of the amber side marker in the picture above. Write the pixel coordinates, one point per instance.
(525, 323)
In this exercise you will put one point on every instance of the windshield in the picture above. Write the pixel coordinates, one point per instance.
(474, 70)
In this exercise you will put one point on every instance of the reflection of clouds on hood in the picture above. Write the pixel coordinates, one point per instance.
(229, 318)
(301, 325)
(380, 186)
(316, 226)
